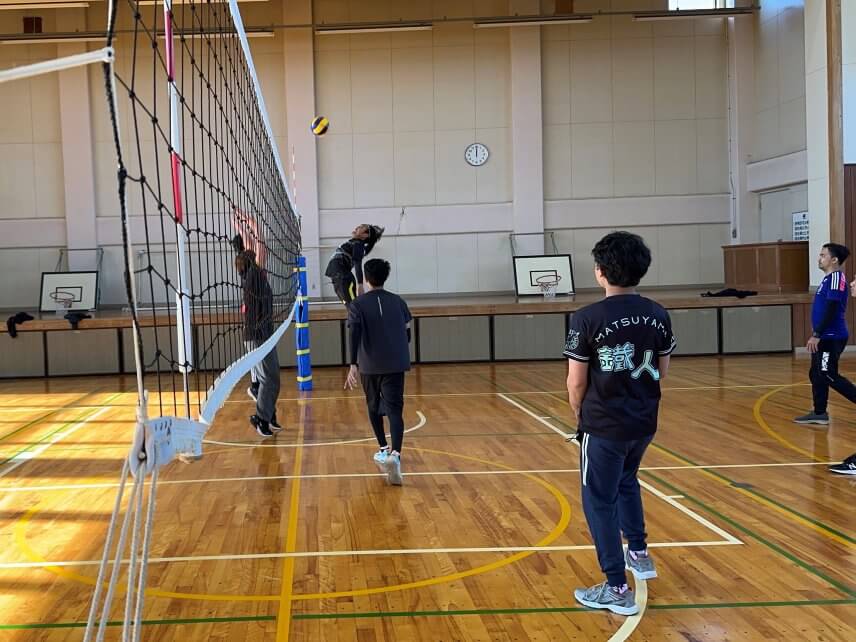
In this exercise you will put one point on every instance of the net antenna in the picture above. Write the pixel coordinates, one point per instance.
(203, 190)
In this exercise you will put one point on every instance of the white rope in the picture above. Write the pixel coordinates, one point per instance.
(144, 564)
(105, 556)
(136, 509)
(111, 588)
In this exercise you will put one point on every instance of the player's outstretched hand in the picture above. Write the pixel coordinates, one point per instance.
(353, 375)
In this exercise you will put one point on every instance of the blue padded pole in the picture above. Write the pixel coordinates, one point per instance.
(304, 361)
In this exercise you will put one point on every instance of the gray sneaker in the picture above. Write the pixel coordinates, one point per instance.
(393, 468)
(642, 567)
(602, 596)
(821, 419)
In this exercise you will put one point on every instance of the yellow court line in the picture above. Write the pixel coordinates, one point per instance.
(759, 419)
(765, 502)
(20, 529)
(283, 619)
(553, 535)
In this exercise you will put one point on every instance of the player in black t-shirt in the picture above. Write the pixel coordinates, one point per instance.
(618, 351)
(349, 256)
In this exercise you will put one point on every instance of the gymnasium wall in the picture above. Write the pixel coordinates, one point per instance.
(634, 135)
(780, 100)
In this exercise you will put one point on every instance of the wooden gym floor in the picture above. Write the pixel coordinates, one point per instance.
(298, 538)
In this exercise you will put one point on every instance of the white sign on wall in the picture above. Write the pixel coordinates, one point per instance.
(800, 226)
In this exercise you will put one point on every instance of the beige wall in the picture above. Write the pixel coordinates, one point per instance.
(635, 109)
(780, 99)
(634, 125)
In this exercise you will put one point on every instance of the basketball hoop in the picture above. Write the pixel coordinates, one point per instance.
(548, 283)
(63, 300)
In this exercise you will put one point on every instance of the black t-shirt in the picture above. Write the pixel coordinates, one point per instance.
(379, 339)
(622, 339)
(348, 256)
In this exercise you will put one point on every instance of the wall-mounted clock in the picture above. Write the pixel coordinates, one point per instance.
(476, 154)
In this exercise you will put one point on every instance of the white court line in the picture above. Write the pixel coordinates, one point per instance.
(26, 456)
(357, 553)
(629, 625)
(429, 473)
(422, 421)
(692, 514)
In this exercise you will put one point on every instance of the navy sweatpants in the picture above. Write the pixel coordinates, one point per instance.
(611, 499)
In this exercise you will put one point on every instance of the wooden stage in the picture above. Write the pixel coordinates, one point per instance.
(298, 538)
(446, 330)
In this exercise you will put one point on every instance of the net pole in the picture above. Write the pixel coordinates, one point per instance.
(183, 321)
(304, 361)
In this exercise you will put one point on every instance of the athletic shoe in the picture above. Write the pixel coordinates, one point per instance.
(393, 469)
(253, 391)
(847, 467)
(262, 427)
(380, 459)
(642, 567)
(273, 424)
(821, 419)
(603, 596)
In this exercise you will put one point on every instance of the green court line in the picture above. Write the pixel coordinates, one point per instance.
(762, 496)
(436, 613)
(60, 429)
(564, 609)
(199, 620)
(793, 558)
(53, 411)
(752, 491)
(847, 590)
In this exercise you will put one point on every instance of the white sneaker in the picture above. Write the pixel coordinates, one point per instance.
(393, 469)
(380, 459)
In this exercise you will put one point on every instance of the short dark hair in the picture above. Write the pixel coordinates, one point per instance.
(376, 272)
(623, 258)
(840, 252)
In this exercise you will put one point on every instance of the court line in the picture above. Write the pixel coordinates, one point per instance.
(759, 419)
(790, 513)
(564, 609)
(299, 444)
(432, 394)
(26, 454)
(774, 547)
(440, 613)
(629, 625)
(690, 513)
(37, 420)
(429, 473)
(20, 536)
(357, 553)
(283, 618)
(762, 499)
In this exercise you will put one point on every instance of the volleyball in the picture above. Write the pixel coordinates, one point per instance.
(320, 125)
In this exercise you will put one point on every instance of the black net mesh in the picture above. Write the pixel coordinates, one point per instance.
(199, 184)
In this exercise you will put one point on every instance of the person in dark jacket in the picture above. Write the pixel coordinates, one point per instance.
(348, 259)
(380, 355)
(257, 310)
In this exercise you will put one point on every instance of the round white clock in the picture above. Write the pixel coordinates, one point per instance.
(476, 154)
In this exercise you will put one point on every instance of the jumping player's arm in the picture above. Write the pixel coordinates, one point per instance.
(578, 352)
(247, 227)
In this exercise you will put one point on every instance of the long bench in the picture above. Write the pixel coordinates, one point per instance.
(446, 330)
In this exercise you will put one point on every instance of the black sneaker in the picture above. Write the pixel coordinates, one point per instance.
(262, 427)
(253, 391)
(817, 418)
(847, 467)
(274, 424)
